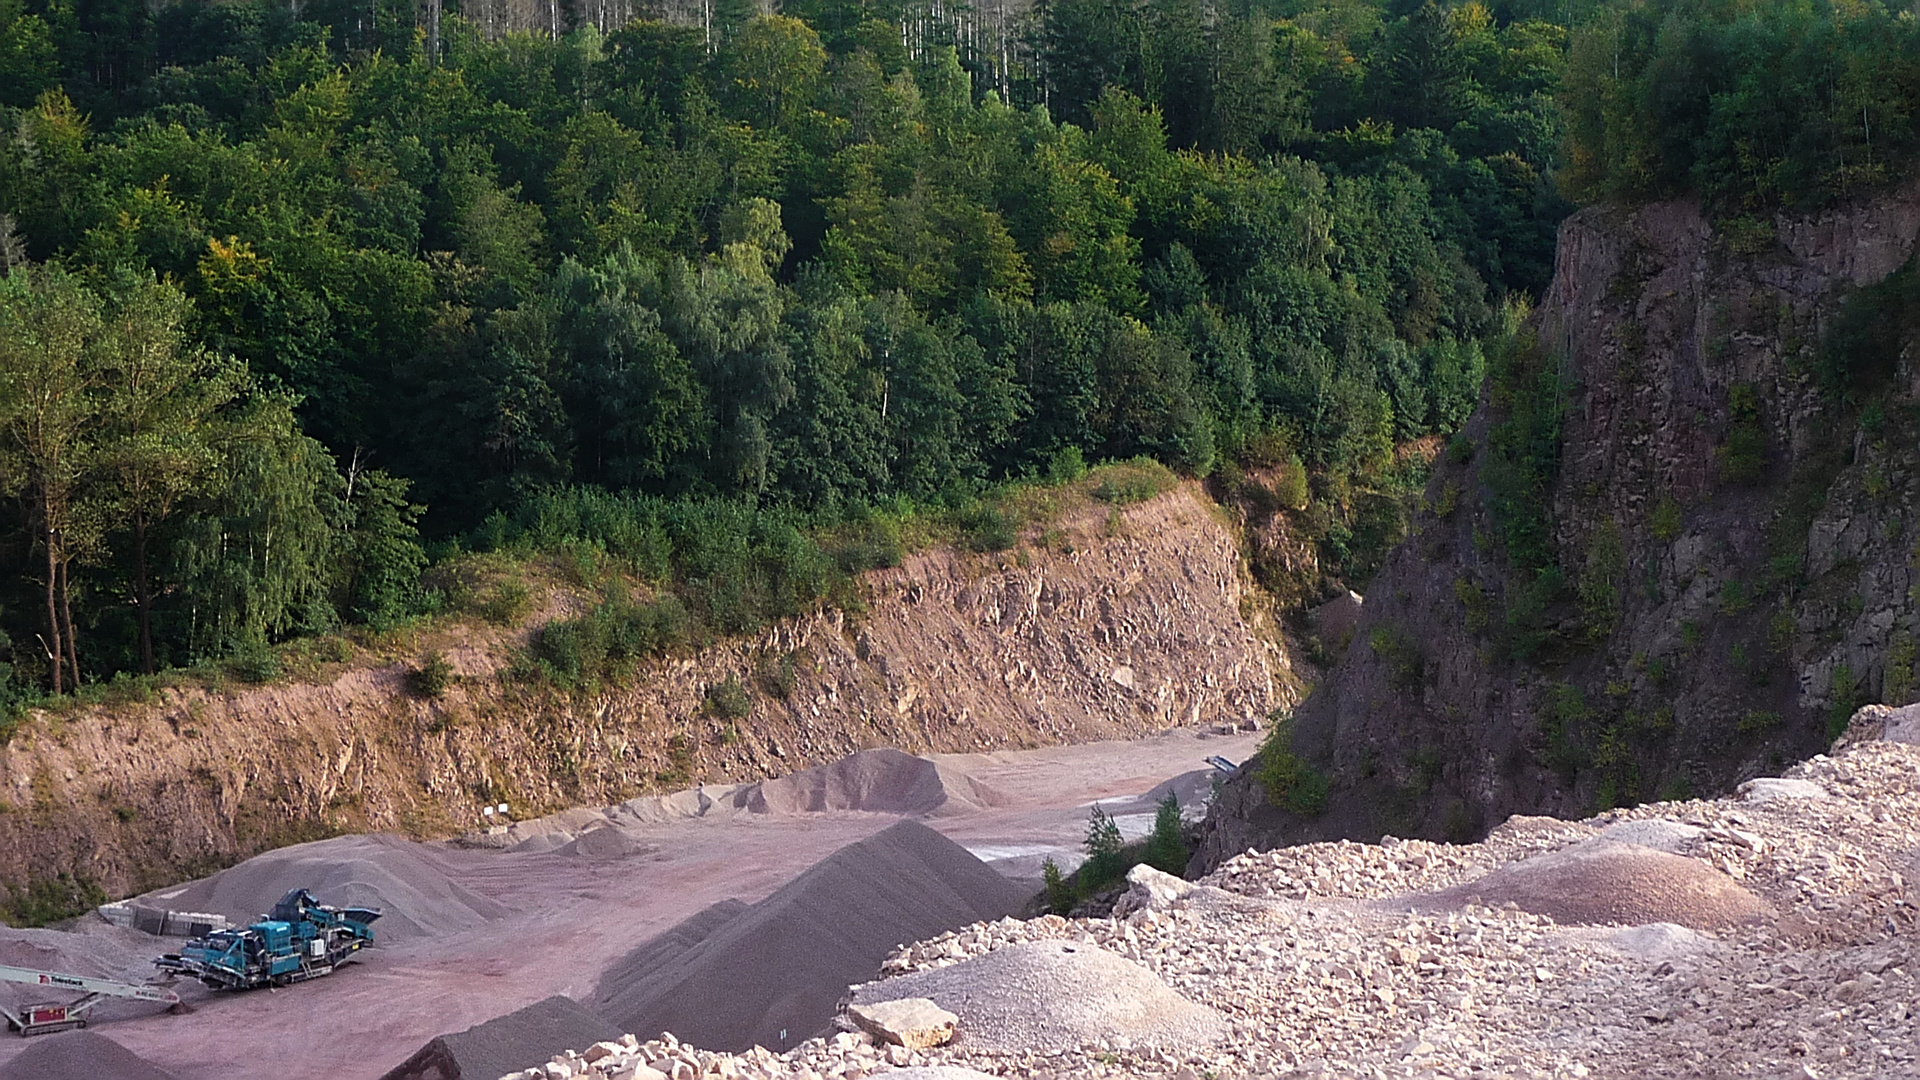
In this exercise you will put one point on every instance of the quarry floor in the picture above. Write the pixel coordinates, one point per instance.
(571, 916)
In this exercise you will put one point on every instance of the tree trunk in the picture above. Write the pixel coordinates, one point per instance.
(55, 650)
(66, 611)
(141, 593)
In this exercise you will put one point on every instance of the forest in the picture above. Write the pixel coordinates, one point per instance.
(303, 300)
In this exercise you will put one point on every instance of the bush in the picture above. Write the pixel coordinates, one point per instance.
(1167, 847)
(1131, 482)
(988, 528)
(1105, 862)
(255, 664)
(1061, 896)
(780, 675)
(1402, 657)
(49, 900)
(729, 699)
(509, 603)
(1287, 779)
(432, 677)
(602, 644)
(1066, 466)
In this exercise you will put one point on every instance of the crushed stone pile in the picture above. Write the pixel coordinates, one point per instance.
(1323, 961)
(406, 880)
(1605, 882)
(734, 978)
(506, 1043)
(1055, 993)
(104, 952)
(79, 1055)
(881, 781)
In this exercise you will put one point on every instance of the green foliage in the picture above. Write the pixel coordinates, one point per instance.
(1861, 350)
(729, 699)
(1843, 698)
(1166, 848)
(1060, 895)
(1288, 780)
(1752, 106)
(986, 527)
(1474, 600)
(1131, 482)
(46, 900)
(255, 662)
(719, 306)
(601, 646)
(1902, 672)
(1602, 576)
(1565, 717)
(1106, 862)
(432, 676)
(509, 602)
(1665, 521)
(1530, 397)
(1743, 454)
(780, 675)
(1400, 653)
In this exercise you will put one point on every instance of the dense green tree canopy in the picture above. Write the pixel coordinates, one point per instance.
(383, 280)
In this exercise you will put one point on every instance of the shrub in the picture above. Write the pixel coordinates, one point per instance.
(255, 664)
(1060, 895)
(1743, 455)
(508, 603)
(1601, 577)
(988, 528)
(729, 699)
(780, 675)
(1665, 522)
(1287, 779)
(1105, 863)
(1167, 847)
(431, 678)
(1066, 465)
(50, 899)
(1402, 657)
(1130, 482)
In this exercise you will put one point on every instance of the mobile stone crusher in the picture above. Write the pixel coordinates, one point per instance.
(300, 939)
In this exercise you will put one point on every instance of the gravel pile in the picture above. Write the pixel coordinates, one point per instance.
(1055, 993)
(79, 1055)
(406, 880)
(1329, 960)
(735, 976)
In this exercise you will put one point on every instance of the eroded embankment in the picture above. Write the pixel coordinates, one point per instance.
(1121, 622)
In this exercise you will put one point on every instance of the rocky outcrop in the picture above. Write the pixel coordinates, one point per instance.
(1729, 548)
(1113, 623)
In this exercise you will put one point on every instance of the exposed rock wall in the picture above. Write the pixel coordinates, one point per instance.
(1736, 550)
(1120, 624)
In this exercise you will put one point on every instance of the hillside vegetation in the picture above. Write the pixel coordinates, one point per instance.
(301, 300)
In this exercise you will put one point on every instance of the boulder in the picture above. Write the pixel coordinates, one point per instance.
(1149, 890)
(914, 1023)
(1777, 789)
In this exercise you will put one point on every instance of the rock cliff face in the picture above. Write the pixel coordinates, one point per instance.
(1117, 625)
(1718, 499)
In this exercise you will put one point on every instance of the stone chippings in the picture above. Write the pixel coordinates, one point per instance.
(1324, 964)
